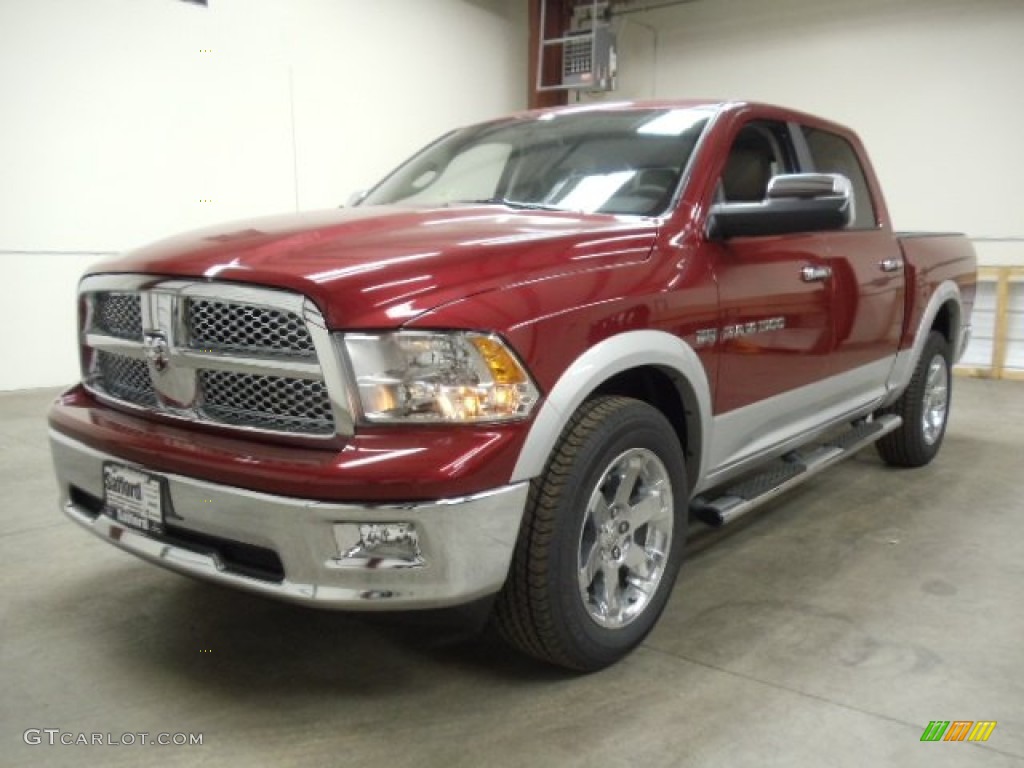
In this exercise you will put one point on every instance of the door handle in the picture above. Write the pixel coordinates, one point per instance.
(815, 274)
(890, 265)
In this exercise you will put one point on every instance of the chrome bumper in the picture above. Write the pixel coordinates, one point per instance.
(464, 545)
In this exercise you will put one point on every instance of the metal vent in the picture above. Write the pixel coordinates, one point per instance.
(245, 328)
(119, 314)
(269, 402)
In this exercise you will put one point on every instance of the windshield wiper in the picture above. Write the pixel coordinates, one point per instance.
(516, 204)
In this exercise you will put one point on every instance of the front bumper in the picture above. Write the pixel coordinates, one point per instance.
(289, 548)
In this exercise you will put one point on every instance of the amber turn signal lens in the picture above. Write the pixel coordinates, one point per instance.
(502, 365)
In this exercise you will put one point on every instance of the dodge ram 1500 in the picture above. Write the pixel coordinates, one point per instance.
(514, 369)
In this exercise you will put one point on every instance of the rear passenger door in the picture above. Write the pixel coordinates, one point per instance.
(867, 274)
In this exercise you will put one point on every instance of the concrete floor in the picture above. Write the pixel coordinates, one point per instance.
(825, 630)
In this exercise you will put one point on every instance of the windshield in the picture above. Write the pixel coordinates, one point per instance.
(619, 162)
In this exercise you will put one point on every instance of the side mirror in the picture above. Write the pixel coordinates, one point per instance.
(796, 202)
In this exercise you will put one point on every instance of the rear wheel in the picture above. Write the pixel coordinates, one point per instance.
(924, 408)
(601, 540)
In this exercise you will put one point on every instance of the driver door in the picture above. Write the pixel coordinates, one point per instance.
(774, 329)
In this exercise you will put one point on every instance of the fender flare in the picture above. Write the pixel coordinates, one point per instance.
(614, 355)
(906, 360)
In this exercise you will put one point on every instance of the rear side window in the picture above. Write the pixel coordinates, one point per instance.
(833, 154)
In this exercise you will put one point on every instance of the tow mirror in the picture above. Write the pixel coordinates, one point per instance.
(796, 202)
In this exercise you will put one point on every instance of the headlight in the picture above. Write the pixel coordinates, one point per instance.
(421, 376)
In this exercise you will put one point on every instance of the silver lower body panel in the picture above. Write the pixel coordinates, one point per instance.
(464, 545)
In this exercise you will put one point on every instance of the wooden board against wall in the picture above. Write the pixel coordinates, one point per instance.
(999, 326)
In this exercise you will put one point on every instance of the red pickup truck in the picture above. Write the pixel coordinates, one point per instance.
(511, 372)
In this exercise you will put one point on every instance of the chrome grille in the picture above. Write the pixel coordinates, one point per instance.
(245, 328)
(119, 314)
(125, 378)
(218, 353)
(270, 402)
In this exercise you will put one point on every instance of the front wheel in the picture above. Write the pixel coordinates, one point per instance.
(601, 540)
(924, 408)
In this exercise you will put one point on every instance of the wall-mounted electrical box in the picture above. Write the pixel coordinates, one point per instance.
(587, 51)
(588, 59)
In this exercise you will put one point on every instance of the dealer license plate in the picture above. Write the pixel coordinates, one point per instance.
(134, 498)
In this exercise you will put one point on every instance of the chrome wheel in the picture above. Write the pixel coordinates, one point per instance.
(625, 538)
(936, 400)
(608, 513)
(923, 407)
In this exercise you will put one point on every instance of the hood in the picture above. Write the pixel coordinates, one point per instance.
(381, 266)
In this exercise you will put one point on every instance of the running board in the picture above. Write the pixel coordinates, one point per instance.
(789, 471)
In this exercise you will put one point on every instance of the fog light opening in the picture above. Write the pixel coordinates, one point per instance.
(377, 545)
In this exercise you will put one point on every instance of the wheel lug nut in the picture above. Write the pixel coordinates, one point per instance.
(616, 553)
(623, 526)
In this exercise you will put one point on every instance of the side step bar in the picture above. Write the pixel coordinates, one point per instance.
(789, 471)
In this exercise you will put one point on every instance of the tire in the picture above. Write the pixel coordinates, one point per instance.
(601, 540)
(924, 407)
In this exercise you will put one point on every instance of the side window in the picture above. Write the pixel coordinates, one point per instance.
(761, 149)
(833, 154)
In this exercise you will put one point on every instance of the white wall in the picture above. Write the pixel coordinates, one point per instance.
(127, 120)
(933, 87)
